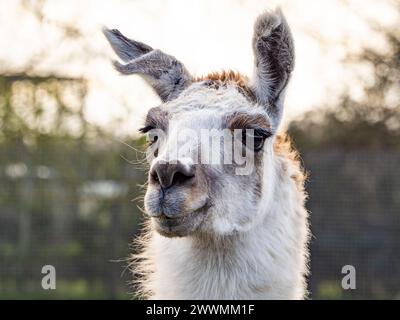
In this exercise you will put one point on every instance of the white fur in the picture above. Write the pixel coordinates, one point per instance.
(268, 260)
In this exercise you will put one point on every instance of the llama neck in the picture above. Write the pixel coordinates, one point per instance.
(266, 262)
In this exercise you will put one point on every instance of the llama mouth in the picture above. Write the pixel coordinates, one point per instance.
(179, 226)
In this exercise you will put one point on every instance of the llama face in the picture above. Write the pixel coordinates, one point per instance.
(188, 192)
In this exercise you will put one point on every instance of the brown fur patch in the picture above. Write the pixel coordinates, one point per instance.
(239, 120)
(226, 77)
(283, 147)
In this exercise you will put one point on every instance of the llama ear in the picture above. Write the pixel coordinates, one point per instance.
(163, 72)
(274, 61)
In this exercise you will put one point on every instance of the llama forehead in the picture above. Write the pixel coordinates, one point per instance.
(201, 106)
(200, 96)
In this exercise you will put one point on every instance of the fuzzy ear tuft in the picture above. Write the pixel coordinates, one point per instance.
(274, 61)
(163, 72)
(126, 49)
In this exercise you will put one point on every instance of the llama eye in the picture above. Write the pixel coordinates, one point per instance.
(257, 135)
(151, 136)
(152, 139)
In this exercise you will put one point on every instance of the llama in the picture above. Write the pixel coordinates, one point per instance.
(212, 233)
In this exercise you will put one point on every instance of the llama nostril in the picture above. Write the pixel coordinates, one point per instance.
(170, 174)
(154, 176)
(180, 177)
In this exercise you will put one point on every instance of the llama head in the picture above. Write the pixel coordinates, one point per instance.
(211, 139)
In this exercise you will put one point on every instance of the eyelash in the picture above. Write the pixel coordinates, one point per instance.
(146, 129)
(262, 133)
(259, 133)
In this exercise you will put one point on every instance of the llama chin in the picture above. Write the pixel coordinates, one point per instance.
(214, 230)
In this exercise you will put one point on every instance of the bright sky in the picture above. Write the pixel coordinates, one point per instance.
(206, 35)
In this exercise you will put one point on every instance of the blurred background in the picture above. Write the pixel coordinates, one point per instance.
(70, 172)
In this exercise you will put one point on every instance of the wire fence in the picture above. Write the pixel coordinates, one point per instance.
(355, 218)
(83, 226)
